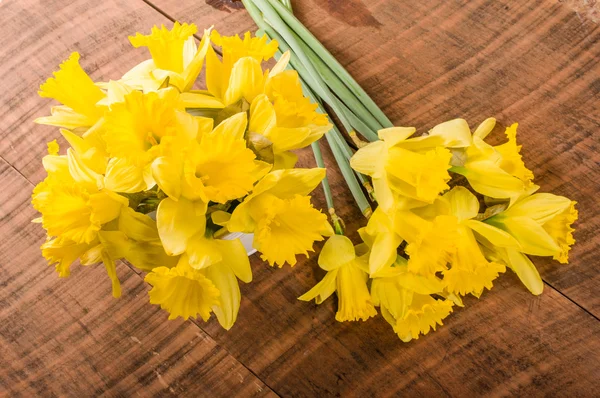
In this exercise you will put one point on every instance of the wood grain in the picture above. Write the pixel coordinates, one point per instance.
(534, 62)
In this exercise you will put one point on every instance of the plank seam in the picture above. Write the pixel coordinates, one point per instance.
(573, 301)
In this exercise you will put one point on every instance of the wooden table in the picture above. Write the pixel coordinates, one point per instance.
(535, 62)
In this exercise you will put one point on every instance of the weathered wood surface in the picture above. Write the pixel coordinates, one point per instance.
(536, 63)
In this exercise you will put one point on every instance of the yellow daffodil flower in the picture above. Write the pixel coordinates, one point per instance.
(541, 223)
(204, 280)
(135, 127)
(495, 171)
(216, 167)
(286, 118)
(345, 275)
(413, 167)
(239, 75)
(183, 291)
(406, 304)
(431, 243)
(469, 271)
(223, 260)
(73, 88)
(175, 58)
(279, 213)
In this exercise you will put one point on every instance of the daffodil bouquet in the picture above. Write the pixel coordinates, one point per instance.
(161, 174)
(167, 172)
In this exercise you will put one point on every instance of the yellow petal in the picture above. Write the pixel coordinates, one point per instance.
(485, 128)
(383, 252)
(235, 257)
(463, 204)
(229, 299)
(531, 236)
(525, 270)
(167, 172)
(489, 180)
(370, 159)
(322, 290)
(541, 207)
(63, 253)
(287, 183)
(200, 100)
(123, 176)
(354, 300)
(73, 87)
(81, 173)
(178, 221)
(281, 64)
(246, 81)
(220, 217)
(166, 46)
(203, 252)
(262, 115)
(63, 116)
(456, 133)
(193, 68)
(233, 127)
(106, 206)
(215, 79)
(285, 160)
(337, 251)
(394, 135)
(494, 235)
(137, 226)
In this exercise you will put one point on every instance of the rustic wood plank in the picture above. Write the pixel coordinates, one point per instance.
(535, 62)
(70, 337)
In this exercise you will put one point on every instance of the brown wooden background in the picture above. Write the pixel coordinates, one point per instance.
(535, 62)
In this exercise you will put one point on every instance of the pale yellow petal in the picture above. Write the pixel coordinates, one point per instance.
(178, 221)
(167, 172)
(394, 135)
(322, 290)
(463, 204)
(229, 299)
(456, 133)
(525, 270)
(337, 251)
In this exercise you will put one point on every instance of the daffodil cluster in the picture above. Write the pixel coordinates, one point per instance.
(429, 244)
(160, 173)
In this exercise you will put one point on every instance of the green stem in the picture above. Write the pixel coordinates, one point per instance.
(311, 82)
(288, 16)
(313, 77)
(341, 91)
(326, 188)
